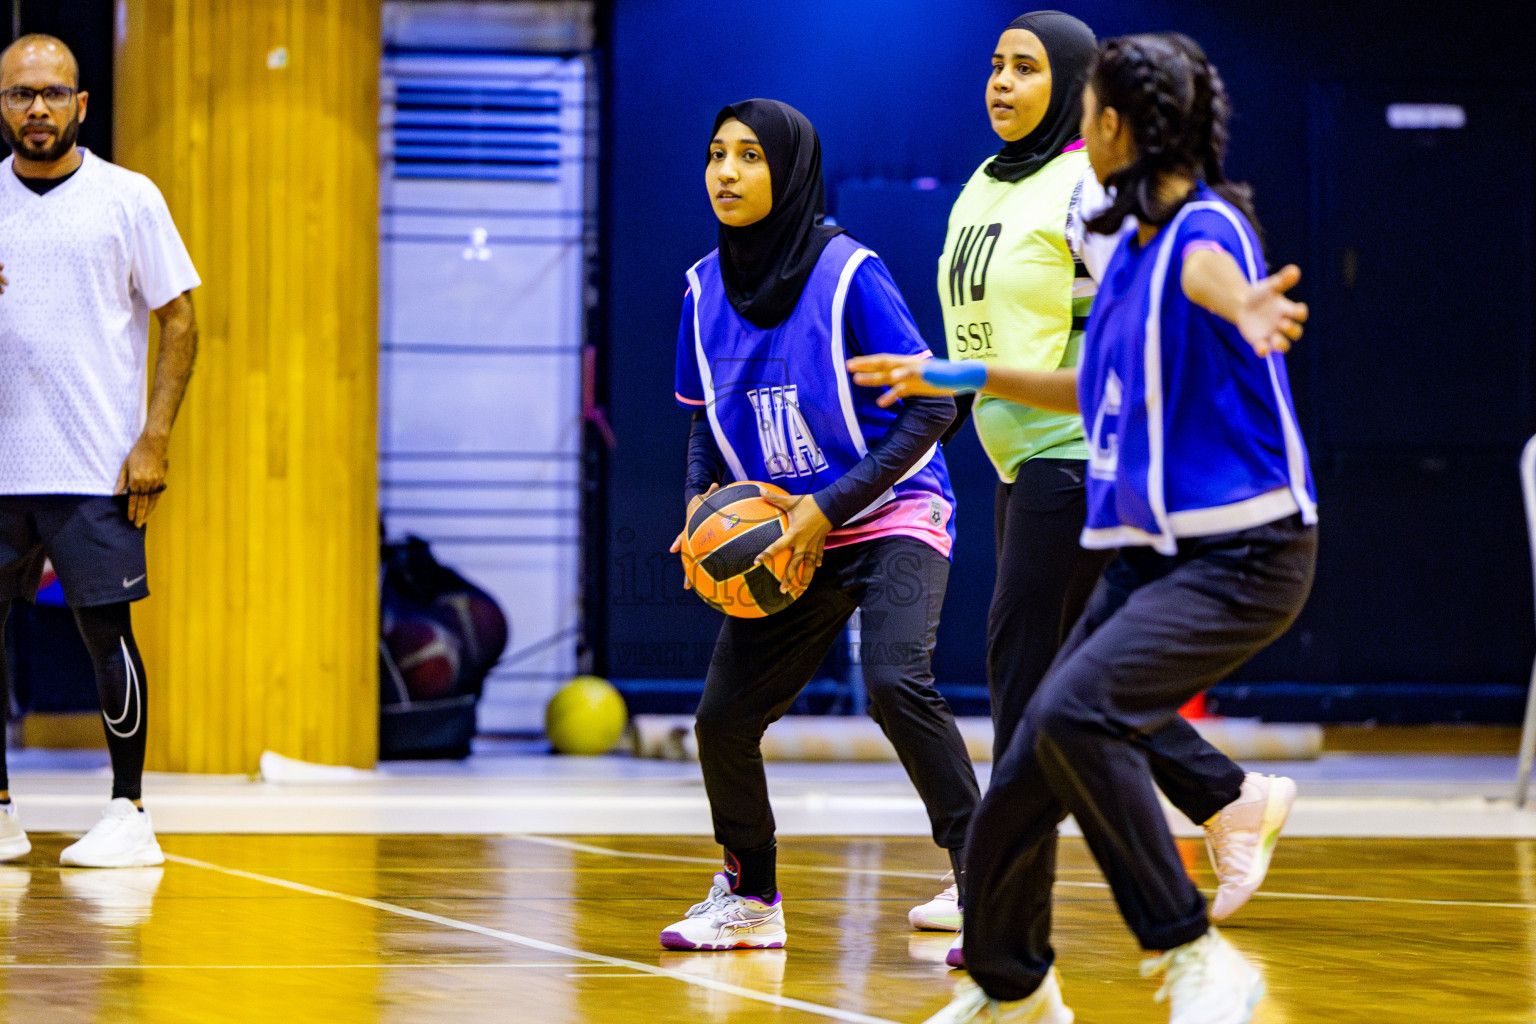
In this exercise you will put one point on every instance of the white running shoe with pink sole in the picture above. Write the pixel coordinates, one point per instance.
(940, 914)
(1241, 839)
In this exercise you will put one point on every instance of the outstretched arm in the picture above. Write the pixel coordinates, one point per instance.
(1267, 320)
(1051, 390)
(143, 472)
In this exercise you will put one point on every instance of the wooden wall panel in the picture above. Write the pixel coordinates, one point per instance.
(258, 119)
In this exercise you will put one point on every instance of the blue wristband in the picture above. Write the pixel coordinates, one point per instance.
(961, 377)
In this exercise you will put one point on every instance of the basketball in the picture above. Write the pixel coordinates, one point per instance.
(427, 655)
(727, 530)
(480, 624)
(586, 716)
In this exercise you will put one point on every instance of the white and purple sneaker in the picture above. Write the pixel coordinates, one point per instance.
(956, 955)
(728, 921)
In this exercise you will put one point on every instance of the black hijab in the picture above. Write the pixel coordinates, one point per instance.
(765, 265)
(1070, 47)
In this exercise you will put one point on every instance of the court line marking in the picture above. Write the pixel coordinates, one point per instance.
(382, 965)
(830, 1012)
(567, 844)
(1324, 897)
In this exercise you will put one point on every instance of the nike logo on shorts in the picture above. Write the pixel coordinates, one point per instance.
(136, 579)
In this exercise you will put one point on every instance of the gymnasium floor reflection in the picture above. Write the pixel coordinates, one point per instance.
(549, 930)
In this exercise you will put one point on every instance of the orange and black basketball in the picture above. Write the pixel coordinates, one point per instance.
(724, 534)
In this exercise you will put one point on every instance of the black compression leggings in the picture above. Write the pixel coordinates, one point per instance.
(108, 634)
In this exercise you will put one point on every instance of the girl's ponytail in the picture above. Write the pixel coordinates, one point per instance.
(1175, 105)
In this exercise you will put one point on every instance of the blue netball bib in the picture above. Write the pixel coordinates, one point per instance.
(1190, 432)
(780, 401)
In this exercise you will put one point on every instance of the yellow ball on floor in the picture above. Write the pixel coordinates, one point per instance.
(586, 716)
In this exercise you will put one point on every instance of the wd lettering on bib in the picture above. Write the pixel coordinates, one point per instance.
(782, 432)
(968, 265)
(969, 260)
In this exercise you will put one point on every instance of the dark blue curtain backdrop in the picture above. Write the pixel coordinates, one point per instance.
(1416, 249)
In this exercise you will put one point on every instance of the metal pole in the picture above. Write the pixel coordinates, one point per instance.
(15, 20)
(1528, 733)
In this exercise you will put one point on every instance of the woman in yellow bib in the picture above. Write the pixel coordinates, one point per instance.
(1016, 282)
(1016, 293)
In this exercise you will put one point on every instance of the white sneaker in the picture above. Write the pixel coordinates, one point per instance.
(1208, 982)
(727, 921)
(1241, 839)
(940, 914)
(973, 1006)
(123, 838)
(13, 838)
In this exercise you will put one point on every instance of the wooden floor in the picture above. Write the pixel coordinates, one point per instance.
(466, 929)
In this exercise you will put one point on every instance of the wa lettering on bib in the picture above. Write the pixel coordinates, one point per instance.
(779, 399)
(788, 447)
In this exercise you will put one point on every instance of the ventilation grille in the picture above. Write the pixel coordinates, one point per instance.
(475, 129)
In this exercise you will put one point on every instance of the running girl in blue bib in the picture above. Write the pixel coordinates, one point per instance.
(1019, 268)
(769, 319)
(1198, 474)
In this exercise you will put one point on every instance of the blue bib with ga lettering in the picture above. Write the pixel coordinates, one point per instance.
(1190, 432)
(781, 403)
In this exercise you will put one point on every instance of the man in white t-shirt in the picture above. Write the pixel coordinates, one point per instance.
(87, 251)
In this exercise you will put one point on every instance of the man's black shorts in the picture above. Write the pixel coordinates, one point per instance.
(94, 546)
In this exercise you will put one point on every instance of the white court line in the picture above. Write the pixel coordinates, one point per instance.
(382, 965)
(1342, 898)
(829, 1012)
(1338, 898)
(566, 844)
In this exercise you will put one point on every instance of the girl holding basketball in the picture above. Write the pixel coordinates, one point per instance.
(1197, 473)
(768, 320)
(1017, 279)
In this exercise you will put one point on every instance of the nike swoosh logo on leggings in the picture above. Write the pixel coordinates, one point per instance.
(133, 700)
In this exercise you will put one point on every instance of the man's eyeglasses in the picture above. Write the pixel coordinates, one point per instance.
(20, 99)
